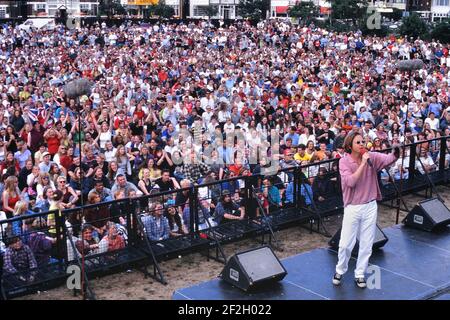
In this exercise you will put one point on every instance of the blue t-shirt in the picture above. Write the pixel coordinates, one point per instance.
(22, 157)
(435, 108)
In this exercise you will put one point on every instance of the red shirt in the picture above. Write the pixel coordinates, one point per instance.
(162, 75)
(12, 203)
(236, 169)
(53, 145)
(66, 162)
(140, 114)
(250, 111)
(24, 136)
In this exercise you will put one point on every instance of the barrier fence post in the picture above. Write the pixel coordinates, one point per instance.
(412, 162)
(64, 256)
(59, 221)
(249, 200)
(196, 205)
(193, 217)
(132, 223)
(295, 181)
(442, 152)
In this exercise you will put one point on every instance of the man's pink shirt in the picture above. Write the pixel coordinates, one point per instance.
(365, 188)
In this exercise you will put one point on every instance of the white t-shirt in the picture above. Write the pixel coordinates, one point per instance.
(110, 155)
(426, 161)
(228, 127)
(112, 39)
(104, 138)
(434, 124)
(96, 98)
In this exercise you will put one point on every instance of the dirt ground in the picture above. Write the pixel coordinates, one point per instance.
(194, 268)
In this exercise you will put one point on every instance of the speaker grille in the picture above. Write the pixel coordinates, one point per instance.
(379, 236)
(260, 264)
(436, 209)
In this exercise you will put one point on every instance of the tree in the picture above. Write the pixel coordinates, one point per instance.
(212, 10)
(306, 11)
(349, 9)
(442, 32)
(253, 9)
(162, 10)
(111, 7)
(414, 26)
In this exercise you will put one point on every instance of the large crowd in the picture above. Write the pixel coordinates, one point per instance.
(166, 99)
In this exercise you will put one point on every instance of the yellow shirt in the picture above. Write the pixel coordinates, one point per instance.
(298, 157)
(51, 222)
(24, 95)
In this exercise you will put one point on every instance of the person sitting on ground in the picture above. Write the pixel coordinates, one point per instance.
(426, 163)
(305, 194)
(322, 186)
(228, 210)
(175, 222)
(90, 245)
(270, 196)
(39, 242)
(156, 225)
(113, 240)
(98, 215)
(19, 261)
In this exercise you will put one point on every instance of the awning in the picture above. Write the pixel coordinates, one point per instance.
(325, 10)
(281, 9)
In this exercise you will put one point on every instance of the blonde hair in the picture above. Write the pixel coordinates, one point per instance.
(10, 184)
(20, 207)
(42, 175)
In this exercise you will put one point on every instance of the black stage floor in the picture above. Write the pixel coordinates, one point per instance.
(414, 265)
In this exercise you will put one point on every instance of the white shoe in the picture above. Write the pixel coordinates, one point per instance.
(361, 282)
(337, 279)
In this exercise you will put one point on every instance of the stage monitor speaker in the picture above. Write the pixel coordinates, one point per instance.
(252, 269)
(428, 215)
(380, 240)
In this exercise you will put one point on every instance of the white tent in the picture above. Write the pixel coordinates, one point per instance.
(38, 24)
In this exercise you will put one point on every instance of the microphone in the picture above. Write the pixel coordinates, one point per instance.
(369, 162)
(77, 88)
(410, 65)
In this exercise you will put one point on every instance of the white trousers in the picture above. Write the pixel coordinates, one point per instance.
(360, 222)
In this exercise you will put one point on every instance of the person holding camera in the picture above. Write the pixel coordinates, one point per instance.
(228, 210)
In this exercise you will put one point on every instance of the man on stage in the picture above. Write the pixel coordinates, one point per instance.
(358, 170)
